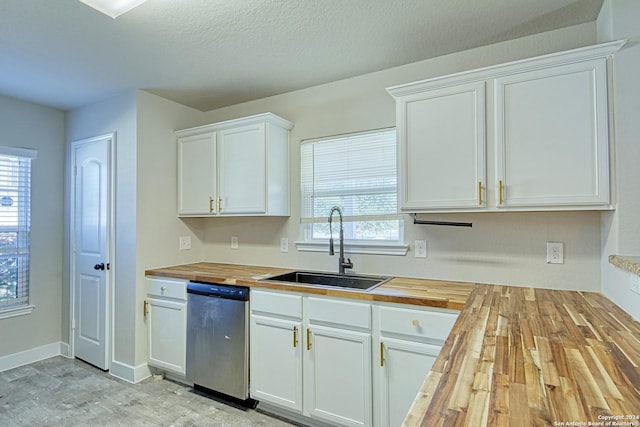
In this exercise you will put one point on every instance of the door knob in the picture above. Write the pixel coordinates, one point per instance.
(99, 266)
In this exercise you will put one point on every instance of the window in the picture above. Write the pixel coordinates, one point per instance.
(356, 172)
(15, 219)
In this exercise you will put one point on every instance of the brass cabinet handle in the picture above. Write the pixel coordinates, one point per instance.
(415, 322)
(145, 309)
(210, 204)
(295, 336)
(308, 339)
(501, 185)
(480, 193)
(381, 353)
(218, 204)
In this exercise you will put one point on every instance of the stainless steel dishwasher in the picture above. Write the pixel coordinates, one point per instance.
(218, 339)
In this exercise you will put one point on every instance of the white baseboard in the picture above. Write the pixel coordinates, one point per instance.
(291, 416)
(65, 350)
(131, 374)
(33, 355)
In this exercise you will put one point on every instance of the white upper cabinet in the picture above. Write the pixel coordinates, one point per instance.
(242, 189)
(442, 162)
(236, 168)
(552, 136)
(531, 134)
(196, 173)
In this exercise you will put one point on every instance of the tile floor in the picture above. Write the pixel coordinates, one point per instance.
(67, 392)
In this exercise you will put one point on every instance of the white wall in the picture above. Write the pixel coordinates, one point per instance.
(40, 128)
(117, 114)
(503, 248)
(621, 229)
(158, 227)
(146, 225)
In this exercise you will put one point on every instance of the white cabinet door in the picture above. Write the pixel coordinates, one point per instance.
(242, 170)
(197, 175)
(307, 369)
(404, 365)
(338, 376)
(441, 148)
(552, 136)
(276, 362)
(550, 139)
(167, 322)
(238, 167)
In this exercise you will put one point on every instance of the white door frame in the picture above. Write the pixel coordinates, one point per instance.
(109, 273)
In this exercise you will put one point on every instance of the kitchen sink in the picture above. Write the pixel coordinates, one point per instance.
(349, 281)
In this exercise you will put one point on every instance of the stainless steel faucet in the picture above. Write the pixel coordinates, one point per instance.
(342, 265)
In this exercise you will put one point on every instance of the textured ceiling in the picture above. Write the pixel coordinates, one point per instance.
(213, 53)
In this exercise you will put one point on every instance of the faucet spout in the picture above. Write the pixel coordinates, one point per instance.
(342, 264)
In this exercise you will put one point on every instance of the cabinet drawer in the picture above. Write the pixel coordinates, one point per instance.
(276, 303)
(167, 288)
(423, 324)
(323, 310)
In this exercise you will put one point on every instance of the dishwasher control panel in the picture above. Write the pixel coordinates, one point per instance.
(240, 293)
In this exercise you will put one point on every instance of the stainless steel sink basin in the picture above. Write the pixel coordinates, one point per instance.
(365, 283)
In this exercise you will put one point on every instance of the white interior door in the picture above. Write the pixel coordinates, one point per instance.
(90, 246)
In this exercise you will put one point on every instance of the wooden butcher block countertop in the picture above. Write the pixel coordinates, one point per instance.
(432, 293)
(516, 356)
(534, 357)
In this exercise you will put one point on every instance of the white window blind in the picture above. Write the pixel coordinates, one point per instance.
(15, 225)
(356, 172)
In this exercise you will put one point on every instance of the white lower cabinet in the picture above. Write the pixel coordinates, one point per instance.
(166, 316)
(338, 387)
(409, 341)
(305, 366)
(276, 362)
(326, 361)
(403, 367)
(338, 361)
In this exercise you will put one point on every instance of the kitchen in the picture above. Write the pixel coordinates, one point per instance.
(500, 248)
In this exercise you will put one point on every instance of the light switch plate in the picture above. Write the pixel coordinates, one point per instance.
(284, 244)
(185, 243)
(420, 248)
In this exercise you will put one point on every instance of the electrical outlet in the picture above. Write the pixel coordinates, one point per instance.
(420, 248)
(284, 244)
(234, 242)
(555, 253)
(635, 283)
(185, 243)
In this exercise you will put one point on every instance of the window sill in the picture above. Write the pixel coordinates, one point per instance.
(16, 311)
(372, 248)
